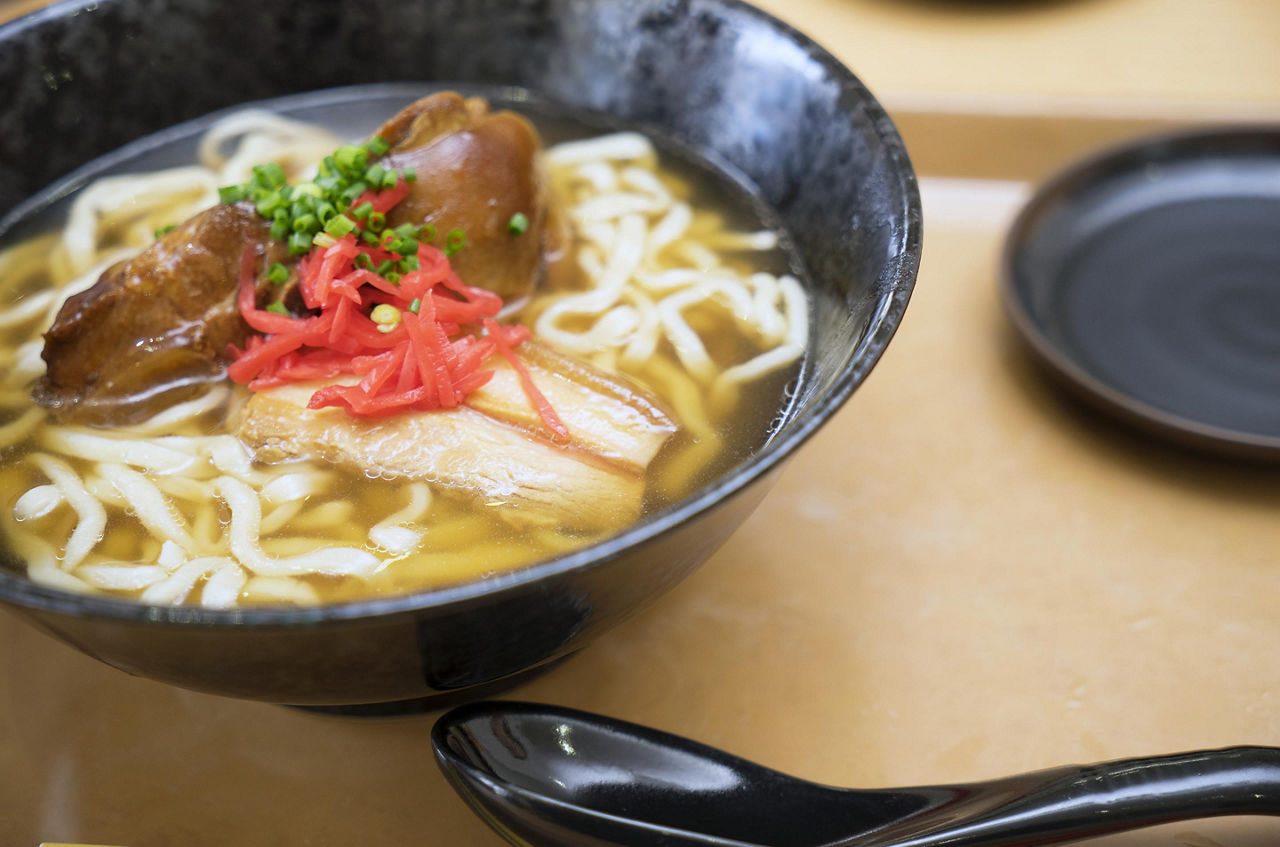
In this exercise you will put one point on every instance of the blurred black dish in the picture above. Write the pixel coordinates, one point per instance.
(1148, 280)
(82, 79)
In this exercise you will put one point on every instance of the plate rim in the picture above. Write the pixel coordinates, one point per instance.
(1095, 169)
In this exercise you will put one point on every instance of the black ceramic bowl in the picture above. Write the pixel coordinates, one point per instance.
(83, 78)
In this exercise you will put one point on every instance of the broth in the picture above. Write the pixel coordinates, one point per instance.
(458, 539)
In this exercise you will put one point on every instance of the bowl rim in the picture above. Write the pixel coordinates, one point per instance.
(898, 281)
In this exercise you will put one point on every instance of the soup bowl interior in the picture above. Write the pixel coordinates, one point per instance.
(718, 76)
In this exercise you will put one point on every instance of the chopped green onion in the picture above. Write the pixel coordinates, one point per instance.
(390, 179)
(392, 277)
(362, 211)
(362, 260)
(410, 263)
(164, 229)
(377, 146)
(369, 237)
(269, 175)
(306, 223)
(406, 230)
(279, 309)
(277, 273)
(268, 205)
(300, 242)
(410, 174)
(231, 194)
(280, 227)
(374, 174)
(376, 223)
(384, 267)
(340, 225)
(426, 232)
(454, 241)
(351, 192)
(351, 159)
(415, 305)
(518, 224)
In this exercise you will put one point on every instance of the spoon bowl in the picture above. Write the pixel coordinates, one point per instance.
(546, 775)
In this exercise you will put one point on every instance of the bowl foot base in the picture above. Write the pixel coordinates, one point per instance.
(433, 702)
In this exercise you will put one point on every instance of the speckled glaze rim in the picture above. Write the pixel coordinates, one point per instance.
(896, 284)
(1095, 169)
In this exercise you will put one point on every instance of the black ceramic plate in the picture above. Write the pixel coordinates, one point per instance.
(1148, 278)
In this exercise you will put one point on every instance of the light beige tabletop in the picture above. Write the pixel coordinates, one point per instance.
(964, 575)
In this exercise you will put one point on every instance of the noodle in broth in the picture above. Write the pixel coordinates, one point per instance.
(175, 509)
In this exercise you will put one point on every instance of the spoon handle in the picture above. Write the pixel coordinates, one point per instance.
(1064, 804)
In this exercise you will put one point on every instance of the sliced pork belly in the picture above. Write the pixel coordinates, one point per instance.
(607, 416)
(495, 448)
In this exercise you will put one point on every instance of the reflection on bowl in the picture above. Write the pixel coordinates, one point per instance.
(764, 99)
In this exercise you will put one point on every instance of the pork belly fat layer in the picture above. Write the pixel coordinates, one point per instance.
(606, 415)
(495, 448)
(462, 449)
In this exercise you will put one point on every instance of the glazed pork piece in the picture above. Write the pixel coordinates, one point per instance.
(154, 330)
(495, 448)
(481, 169)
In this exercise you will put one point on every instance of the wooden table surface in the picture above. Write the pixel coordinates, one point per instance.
(963, 575)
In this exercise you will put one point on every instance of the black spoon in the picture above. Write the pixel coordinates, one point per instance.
(544, 775)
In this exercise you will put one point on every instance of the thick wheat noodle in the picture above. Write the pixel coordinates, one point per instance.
(107, 494)
(27, 364)
(222, 589)
(618, 205)
(390, 532)
(670, 228)
(600, 175)
(171, 418)
(193, 490)
(646, 181)
(109, 198)
(644, 341)
(243, 533)
(766, 289)
(121, 576)
(175, 587)
(150, 506)
(19, 428)
(279, 589)
(264, 137)
(42, 563)
(620, 146)
(276, 519)
(155, 455)
(296, 485)
(28, 310)
(37, 502)
(24, 262)
(92, 517)
(609, 288)
(634, 193)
